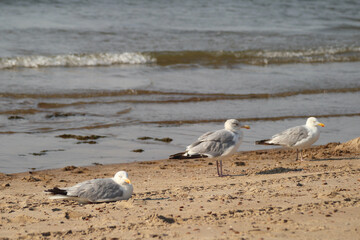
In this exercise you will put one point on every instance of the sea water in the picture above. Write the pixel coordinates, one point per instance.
(170, 69)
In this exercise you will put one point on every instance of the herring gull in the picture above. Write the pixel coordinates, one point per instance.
(218, 143)
(298, 137)
(97, 190)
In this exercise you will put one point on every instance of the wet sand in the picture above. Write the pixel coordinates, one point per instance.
(268, 195)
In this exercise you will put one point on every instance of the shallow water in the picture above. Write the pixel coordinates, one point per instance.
(125, 70)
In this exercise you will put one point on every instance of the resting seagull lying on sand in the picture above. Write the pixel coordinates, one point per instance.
(218, 143)
(298, 137)
(97, 190)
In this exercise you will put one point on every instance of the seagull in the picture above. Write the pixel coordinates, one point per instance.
(97, 190)
(298, 137)
(218, 143)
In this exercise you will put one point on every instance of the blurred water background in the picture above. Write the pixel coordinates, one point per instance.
(169, 69)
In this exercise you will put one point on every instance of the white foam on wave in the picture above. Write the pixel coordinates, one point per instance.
(323, 51)
(75, 60)
(321, 54)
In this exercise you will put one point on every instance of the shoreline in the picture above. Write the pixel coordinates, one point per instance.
(269, 195)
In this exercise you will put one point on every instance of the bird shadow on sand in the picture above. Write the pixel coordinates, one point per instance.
(231, 175)
(153, 199)
(279, 170)
(334, 159)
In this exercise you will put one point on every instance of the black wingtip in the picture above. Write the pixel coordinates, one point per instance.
(263, 142)
(182, 155)
(57, 190)
(178, 156)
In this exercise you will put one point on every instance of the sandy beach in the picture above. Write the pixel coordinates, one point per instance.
(268, 195)
(90, 88)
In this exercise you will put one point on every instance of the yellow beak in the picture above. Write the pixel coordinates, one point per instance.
(127, 181)
(321, 124)
(245, 126)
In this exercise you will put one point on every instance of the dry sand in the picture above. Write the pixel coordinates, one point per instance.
(268, 196)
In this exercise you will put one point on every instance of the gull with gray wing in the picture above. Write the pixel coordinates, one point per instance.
(298, 137)
(218, 143)
(96, 190)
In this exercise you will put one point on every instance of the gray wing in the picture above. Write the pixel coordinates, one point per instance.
(207, 135)
(213, 143)
(290, 136)
(96, 189)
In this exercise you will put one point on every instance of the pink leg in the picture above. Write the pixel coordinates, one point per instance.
(297, 154)
(301, 155)
(221, 170)
(221, 173)
(217, 167)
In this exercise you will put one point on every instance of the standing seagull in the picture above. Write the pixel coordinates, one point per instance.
(97, 190)
(298, 137)
(218, 143)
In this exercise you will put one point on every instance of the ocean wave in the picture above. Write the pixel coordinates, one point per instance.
(259, 57)
(75, 60)
(254, 119)
(203, 58)
(175, 97)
